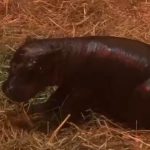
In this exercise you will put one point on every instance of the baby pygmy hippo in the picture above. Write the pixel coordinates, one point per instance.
(110, 75)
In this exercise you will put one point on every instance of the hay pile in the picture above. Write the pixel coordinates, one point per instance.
(60, 18)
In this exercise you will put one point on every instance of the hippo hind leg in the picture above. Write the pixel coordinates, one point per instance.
(139, 107)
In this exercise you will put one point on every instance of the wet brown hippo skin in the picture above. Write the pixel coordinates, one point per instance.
(110, 75)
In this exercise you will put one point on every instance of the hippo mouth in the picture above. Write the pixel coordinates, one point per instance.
(20, 93)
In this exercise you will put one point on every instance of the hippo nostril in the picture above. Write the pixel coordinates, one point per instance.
(7, 88)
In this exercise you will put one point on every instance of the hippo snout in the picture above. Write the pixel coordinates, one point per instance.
(8, 90)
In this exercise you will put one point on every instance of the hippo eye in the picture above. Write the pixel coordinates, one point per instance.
(31, 64)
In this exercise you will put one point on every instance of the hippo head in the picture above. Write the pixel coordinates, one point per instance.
(33, 67)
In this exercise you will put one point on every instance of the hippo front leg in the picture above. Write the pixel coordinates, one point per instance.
(139, 106)
(67, 101)
(76, 104)
(54, 101)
